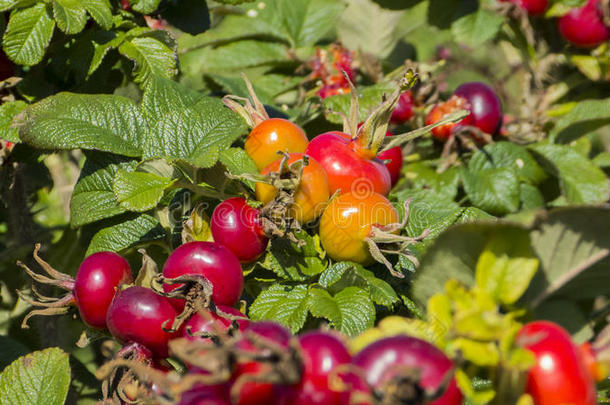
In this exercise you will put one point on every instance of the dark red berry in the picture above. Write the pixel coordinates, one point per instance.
(137, 315)
(206, 395)
(255, 393)
(404, 109)
(322, 353)
(236, 225)
(95, 285)
(533, 7)
(211, 323)
(395, 158)
(214, 262)
(584, 27)
(384, 359)
(485, 106)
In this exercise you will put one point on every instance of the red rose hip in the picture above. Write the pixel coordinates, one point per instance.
(236, 225)
(95, 285)
(137, 315)
(214, 262)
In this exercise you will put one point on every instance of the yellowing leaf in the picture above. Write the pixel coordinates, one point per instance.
(506, 266)
(481, 354)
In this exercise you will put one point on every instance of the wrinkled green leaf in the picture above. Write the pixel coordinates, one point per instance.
(93, 197)
(284, 304)
(581, 181)
(38, 378)
(138, 191)
(8, 111)
(351, 311)
(28, 34)
(69, 121)
(142, 228)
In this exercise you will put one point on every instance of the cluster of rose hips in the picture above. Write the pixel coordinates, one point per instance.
(582, 26)
(485, 112)
(298, 177)
(330, 67)
(230, 360)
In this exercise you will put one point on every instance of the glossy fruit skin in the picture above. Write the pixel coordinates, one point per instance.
(213, 261)
(236, 225)
(347, 168)
(206, 395)
(403, 111)
(271, 136)
(380, 359)
(533, 7)
(310, 198)
(198, 323)
(260, 393)
(560, 375)
(441, 110)
(485, 106)
(137, 315)
(584, 27)
(96, 283)
(395, 163)
(322, 352)
(348, 220)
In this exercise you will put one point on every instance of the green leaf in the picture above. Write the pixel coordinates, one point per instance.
(354, 274)
(163, 97)
(287, 305)
(196, 134)
(602, 160)
(41, 377)
(368, 98)
(493, 190)
(531, 197)
(366, 26)
(137, 191)
(423, 175)
(237, 161)
(8, 111)
(476, 28)
(567, 314)
(443, 13)
(585, 117)
(232, 57)
(151, 57)
(6, 5)
(102, 42)
(506, 266)
(70, 15)
(292, 262)
(511, 156)
(454, 255)
(93, 198)
(144, 6)
(129, 233)
(28, 34)
(100, 11)
(573, 246)
(69, 121)
(307, 21)
(581, 181)
(351, 311)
